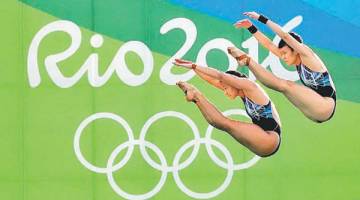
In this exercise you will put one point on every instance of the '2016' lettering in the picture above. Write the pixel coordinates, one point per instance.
(119, 66)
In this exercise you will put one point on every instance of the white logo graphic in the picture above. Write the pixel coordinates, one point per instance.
(123, 71)
(163, 166)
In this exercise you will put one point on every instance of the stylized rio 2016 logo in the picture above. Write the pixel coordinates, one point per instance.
(163, 166)
(122, 70)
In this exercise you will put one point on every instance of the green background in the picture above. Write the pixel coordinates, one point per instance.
(315, 161)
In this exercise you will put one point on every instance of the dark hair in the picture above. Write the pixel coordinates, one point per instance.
(297, 37)
(236, 73)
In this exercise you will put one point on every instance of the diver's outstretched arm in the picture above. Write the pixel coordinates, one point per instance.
(302, 49)
(239, 83)
(259, 36)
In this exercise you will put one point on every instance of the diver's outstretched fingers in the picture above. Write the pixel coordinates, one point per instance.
(244, 23)
(253, 15)
(183, 63)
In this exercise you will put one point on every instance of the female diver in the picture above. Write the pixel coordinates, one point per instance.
(316, 98)
(263, 135)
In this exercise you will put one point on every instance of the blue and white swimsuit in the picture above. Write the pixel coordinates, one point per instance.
(261, 115)
(320, 82)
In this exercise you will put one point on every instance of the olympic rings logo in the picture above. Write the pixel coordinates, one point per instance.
(163, 166)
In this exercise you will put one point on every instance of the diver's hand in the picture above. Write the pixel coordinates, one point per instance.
(252, 15)
(183, 63)
(244, 23)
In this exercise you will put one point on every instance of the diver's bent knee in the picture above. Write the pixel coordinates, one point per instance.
(269, 150)
(268, 153)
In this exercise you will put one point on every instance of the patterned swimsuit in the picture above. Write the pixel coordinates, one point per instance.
(320, 82)
(261, 115)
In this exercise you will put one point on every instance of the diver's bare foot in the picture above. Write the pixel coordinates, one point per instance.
(239, 55)
(190, 91)
(235, 52)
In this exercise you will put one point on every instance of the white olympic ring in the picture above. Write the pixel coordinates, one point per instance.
(170, 114)
(147, 195)
(163, 166)
(219, 189)
(83, 125)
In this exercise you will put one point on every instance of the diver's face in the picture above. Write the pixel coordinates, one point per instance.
(289, 56)
(229, 91)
